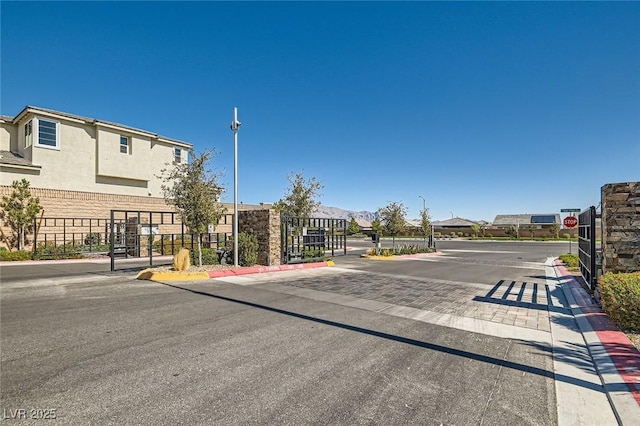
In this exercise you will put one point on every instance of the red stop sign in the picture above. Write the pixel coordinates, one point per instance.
(570, 221)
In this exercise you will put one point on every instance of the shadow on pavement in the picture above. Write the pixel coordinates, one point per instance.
(408, 341)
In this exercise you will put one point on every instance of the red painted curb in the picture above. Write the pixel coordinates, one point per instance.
(263, 269)
(623, 354)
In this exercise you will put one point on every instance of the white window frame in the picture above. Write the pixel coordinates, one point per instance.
(28, 138)
(36, 133)
(177, 159)
(128, 145)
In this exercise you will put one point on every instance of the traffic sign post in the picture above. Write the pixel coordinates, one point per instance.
(570, 222)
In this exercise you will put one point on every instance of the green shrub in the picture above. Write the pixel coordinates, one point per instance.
(165, 246)
(247, 249)
(620, 295)
(93, 239)
(566, 236)
(13, 256)
(50, 250)
(570, 260)
(209, 256)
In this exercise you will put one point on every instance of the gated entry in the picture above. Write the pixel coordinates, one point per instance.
(312, 239)
(587, 246)
(148, 234)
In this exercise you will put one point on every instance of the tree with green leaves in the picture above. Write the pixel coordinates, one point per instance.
(425, 223)
(19, 212)
(194, 191)
(393, 219)
(300, 200)
(532, 229)
(353, 228)
(554, 230)
(376, 226)
(475, 229)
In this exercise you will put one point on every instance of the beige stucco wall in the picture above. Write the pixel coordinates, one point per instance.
(88, 158)
(8, 132)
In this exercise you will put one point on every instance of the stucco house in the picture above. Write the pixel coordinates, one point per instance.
(61, 151)
(540, 220)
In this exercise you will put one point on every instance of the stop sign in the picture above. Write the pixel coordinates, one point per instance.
(570, 221)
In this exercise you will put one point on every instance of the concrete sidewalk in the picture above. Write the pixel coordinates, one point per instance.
(616, 359)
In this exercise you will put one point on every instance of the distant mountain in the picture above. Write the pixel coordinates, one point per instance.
(338, 213)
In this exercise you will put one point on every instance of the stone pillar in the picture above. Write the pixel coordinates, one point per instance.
(265, 225)
(621, 227)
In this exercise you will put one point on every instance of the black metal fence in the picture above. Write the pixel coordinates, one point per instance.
(312, 239)
(125, 234)
(587, 254)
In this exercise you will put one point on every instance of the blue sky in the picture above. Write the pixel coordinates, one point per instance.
(482, 108)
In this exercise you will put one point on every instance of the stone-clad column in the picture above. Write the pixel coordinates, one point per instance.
(621, 227)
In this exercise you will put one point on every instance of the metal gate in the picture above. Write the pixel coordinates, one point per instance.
(150, 234)
(587, 254)
(312, 239)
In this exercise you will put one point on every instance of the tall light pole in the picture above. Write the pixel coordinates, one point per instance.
(235, 125)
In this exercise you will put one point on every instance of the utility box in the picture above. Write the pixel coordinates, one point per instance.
(375, 238)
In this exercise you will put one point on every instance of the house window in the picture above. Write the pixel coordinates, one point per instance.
(124, 144)
(28, 134)
(177, 155)
(47, 133)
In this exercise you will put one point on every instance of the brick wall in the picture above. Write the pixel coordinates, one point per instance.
(78, 204)
(621, 227)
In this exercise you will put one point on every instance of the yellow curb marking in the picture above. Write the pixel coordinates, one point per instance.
(150, 275)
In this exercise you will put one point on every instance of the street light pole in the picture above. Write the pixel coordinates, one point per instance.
(235, 125)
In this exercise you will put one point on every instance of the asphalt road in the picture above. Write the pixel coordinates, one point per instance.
(285, 348)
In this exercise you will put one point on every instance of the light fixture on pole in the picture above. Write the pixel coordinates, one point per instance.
(235, 125)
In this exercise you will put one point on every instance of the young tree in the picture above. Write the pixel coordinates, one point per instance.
(19, 211)
(301, 197)
(194, 191)
(393, 219)
(475, 229)
(376, 226)
(554, 230)
(532, 229)
(425, 223)
(353, 228)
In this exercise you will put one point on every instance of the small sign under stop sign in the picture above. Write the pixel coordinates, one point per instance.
(570, 221)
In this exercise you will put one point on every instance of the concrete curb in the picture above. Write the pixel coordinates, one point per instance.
(616, 359)
(151, 275)
(402, 256)
(263, 269)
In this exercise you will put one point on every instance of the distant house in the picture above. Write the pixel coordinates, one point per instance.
(539, 220)
(455, 223)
